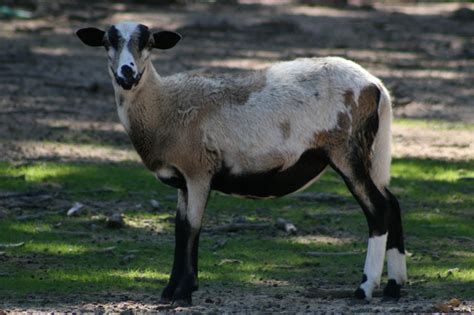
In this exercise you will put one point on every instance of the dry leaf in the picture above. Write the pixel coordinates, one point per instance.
(454, 302)
(443, 308)
(229, 261)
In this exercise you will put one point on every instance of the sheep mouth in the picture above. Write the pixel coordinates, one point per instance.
(127, 83)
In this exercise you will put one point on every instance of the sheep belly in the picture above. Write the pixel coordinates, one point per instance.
(275, 182)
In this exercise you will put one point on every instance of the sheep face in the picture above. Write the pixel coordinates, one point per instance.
(128, 47)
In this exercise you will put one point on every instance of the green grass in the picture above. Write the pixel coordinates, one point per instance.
(65, 256)
(434, 124)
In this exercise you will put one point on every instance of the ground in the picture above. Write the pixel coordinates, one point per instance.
(60, 143)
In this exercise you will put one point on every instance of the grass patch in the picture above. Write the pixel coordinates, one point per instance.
(434, 124)
(69, 256)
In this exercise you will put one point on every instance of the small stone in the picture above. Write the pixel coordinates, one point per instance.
(219, 243)
(155, 204)
(286, 226)
(115, 221)
(76, 210)
(239, 219)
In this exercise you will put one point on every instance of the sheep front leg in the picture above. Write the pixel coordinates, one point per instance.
(188, 234)
(179, 249)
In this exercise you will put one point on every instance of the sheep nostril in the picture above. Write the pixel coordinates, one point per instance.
(127, 72)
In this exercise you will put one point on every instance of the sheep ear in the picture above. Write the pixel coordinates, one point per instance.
(91, 36)
(165, 39)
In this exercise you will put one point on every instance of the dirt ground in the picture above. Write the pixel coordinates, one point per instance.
(56, 99)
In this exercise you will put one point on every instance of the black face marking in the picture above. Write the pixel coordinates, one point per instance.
(364, 278)
(143, 36)
(114, 37)
(275, 182)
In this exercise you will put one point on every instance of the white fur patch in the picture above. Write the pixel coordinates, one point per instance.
(165, 172)
(396, 265)
(126, 30)
(374, 263)
(198, 192)
(307, 92)
(382, 157)
(122, 112)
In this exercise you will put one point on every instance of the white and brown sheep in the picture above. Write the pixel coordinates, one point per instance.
(264, 133)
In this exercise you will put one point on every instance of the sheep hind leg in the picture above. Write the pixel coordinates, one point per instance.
(396, 261)
(376, 208)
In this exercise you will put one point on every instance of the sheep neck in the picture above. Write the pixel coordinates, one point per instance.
(143, 114)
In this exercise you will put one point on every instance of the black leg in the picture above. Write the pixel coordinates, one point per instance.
(183, 280)
(376, 209)
(178, 263)
(180, 232)
(396, 261)
(188, 282)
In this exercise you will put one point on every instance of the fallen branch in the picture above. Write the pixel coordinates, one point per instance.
(25, 194)
(26, 217)
(234, 227)
(12, 245)
(78, 233)
(323, 254)
(336, 293)
(38, 110)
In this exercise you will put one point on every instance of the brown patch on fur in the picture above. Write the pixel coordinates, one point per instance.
(233, 89)
(285, 129)
(366, 104)
(334, 138)
(349, 132)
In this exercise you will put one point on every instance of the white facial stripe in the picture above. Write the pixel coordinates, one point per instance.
(126, 30)
(374, 263)
(396, 265)
(126, 59)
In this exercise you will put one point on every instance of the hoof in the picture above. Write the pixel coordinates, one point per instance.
(165, 300)
(392, 290)
(182, 302)
(359, 294)
(167, 294)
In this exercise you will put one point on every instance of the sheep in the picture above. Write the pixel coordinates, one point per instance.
(261, 134)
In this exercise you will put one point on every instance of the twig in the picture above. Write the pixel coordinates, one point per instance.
(27, 194)
(78, 233)
(322, 254)
(37, 110)
(336, 293)
(234, 227)
(26, 217)
(12, 245)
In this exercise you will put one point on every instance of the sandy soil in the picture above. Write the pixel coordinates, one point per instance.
(56, 100)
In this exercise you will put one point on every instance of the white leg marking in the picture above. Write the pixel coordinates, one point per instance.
(374, 264)
(198, 192)
(182, 204)
(396, 265)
